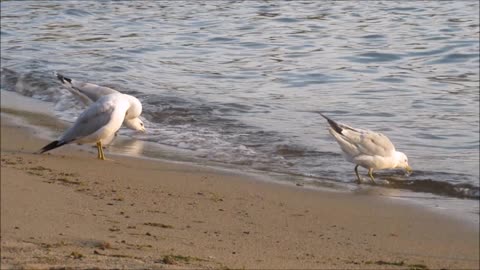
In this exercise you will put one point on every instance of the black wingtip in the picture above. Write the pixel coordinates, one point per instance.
(333, 124)
(51, 146)
(63, 79)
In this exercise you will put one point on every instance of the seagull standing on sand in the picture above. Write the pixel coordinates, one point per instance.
(99, 122)
(371, 150)
(89, 93)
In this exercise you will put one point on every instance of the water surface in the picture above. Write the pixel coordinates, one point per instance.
(240, 82)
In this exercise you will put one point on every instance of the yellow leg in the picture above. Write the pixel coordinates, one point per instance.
(370, 173)
(100, 151)
(99, 145)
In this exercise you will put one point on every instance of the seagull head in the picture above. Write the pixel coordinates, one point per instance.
(135, 124)
(402, 162)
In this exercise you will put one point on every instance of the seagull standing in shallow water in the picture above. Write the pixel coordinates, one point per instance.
(366, 148)
(99, 122)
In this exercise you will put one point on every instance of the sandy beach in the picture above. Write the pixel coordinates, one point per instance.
(68, 209)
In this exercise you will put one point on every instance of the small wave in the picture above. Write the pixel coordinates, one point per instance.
(373, 57)
(456, 58)
(390, 79)
(402, 9)
(28, 84)
(463, 190)
(286, 20)
(296, 151)
(222, 39)
(373, 36)
(77, 12)
(102, 39)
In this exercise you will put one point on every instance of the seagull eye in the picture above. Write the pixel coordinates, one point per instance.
(141, 124)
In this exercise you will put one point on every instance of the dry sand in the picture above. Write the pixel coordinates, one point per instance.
(68, 210)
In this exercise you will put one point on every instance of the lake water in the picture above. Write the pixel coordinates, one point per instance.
(240, 82)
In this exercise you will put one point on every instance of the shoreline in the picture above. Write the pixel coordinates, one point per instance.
(68, 209)
(41, 118)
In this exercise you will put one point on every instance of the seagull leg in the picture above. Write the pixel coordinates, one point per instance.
(358, 176)
(100, 151)
(370, 173)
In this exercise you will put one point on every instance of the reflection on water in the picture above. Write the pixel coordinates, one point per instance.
(241, 82)
(129, 146)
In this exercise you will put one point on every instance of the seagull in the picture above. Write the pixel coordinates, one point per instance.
(99, 122)
(366, 148)
(89, 93)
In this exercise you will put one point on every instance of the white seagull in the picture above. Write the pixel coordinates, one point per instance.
(89, 93)
(366, 148)
(99, 122)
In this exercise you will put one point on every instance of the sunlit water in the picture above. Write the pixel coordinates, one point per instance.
(241, 82)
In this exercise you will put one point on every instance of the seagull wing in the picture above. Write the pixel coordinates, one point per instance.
(87, 92)
(356, 142)
(367, 142)
(91, 120)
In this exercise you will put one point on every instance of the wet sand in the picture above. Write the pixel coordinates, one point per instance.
(68, 209)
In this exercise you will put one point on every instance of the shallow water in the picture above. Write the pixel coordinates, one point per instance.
(240, 83)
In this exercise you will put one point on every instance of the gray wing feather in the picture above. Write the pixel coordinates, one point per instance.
(92, 91)
(91, 120)
(373, 143)
(357, 142)
(86, 92)
(82, 97)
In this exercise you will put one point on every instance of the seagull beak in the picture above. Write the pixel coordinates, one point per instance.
(409, 170)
